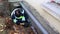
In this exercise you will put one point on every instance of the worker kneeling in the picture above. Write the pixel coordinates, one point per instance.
(19, 17)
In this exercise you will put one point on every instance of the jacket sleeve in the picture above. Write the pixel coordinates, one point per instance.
(13, 16)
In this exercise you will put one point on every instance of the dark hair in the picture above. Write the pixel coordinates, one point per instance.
(18, 15)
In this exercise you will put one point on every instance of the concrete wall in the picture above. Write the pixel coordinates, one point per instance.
(54, 23)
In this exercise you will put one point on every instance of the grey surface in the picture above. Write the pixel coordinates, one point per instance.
(40, 19)
(54, 9)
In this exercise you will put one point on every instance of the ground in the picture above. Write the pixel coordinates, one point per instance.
(14, 29)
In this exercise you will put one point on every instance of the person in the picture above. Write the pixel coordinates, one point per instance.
(19, 17)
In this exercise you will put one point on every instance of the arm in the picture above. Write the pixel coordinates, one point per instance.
(13, 18)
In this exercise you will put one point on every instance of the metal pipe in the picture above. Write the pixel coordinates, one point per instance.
(35, 20)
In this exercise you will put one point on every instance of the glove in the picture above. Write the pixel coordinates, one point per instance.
(23, 19)
(14, 20)
(22, 23)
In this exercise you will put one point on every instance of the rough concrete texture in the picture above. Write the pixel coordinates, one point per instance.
(47, 18)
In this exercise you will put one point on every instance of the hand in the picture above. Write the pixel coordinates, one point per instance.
(22, 23)
(23, 19)
(15, 20)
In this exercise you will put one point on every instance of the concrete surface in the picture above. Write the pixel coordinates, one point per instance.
(54, 23)
(54, 9)
(40, 19)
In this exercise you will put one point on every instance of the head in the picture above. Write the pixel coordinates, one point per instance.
(18, 13)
